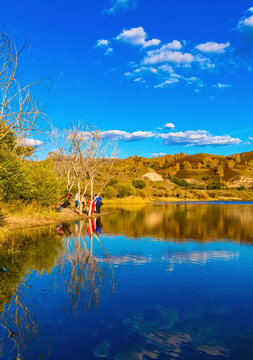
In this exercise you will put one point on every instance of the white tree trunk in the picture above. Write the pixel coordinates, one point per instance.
(79, 196)
(91, 196)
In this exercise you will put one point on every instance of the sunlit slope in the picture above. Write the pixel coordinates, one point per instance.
(233, 170)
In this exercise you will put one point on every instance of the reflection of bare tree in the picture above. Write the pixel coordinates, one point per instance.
(19, 321)
(87, 275)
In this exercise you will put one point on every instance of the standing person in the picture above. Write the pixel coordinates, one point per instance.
(76, 200)
(92, 204)
(99, 203)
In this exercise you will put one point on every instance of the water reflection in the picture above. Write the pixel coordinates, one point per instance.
(202, 222)
(152, 283)
(41, 250)
(22, 253)
(86, 275)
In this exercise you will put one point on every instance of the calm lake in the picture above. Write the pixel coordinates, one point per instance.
(162, 281)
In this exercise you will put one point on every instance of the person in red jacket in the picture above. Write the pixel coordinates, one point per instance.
(92, 205)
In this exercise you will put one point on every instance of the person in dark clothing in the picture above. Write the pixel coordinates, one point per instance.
(99, 203)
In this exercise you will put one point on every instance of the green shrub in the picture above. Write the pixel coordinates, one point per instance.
(45, 182)
(139, 184)
(214, 186)
(110, 192)
(181, 182)
(125, 190)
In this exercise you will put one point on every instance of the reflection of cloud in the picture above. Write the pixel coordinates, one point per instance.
(213, 350)
(199, 257)
(128, 259)
(171, 344)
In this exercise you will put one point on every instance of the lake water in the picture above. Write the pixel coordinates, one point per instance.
(164, 281)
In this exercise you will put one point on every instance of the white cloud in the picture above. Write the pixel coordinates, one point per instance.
(197, 138)
(120, 5)
(126, 136)
(174, 78)
(164, 55)
(166, 68)
(32, 142)
(109, 51)
(222, 86)
(169, 126)
(246, 22)
(158, 154)
(102, 42)
(174, 45)
(137, 36)
(166, 83)
(105, 44)
(213, 47)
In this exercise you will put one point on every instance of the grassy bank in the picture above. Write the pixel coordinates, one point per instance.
(19, 215)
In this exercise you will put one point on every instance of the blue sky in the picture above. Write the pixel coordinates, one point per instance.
(132, 66)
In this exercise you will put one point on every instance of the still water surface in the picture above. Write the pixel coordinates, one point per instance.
(167, 281)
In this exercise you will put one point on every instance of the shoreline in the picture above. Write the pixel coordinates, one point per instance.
(12, 221)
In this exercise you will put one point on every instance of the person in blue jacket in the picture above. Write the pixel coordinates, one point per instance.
(99, 203)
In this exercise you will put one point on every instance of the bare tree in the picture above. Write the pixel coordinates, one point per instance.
(19, 113)
(95, 155)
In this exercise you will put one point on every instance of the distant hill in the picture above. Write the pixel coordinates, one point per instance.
(200, 169)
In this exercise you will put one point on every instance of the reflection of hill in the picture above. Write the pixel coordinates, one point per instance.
(202, 222)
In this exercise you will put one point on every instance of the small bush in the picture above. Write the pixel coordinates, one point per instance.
(110, 192)
(126, 190)
(214, 186)
(181, 182)
(241, 187)
(139, 184)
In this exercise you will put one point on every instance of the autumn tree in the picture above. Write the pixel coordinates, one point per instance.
(220, 171)
(231, 164)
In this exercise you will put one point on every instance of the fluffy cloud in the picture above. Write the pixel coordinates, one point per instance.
(196, 138)
(213, 47)
(164, 54)
(169, 126)
(189, 137)
(120, 5)
(174, 45)
(137, 36)
(105, 44)
(126, 136)
(246, 23)
(32, 142)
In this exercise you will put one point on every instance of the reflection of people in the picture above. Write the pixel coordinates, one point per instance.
(63, 228)
(59, 230)
(98, 226)
(91, 227)
(99, 203)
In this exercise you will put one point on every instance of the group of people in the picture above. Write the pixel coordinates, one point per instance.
(95, 204)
